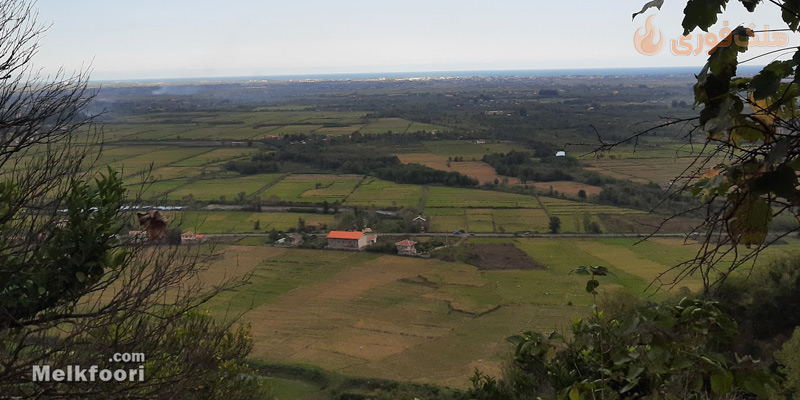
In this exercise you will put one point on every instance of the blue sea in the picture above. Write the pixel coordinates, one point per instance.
(653, 71)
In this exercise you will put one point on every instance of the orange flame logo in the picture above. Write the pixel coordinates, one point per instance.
(645, 43)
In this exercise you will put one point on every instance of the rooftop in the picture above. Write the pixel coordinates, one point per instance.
(345, 235)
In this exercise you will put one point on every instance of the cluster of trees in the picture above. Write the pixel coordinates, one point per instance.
(521, 165)
(336, 159)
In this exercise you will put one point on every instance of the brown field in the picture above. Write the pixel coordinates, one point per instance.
(236, 261)
(389, 317)
(569, 188)
(479, 170)
(658, 170)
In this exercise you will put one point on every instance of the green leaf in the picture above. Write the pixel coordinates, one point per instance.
(766, 83)
(581, 271)
(80, 276)
(750, 5)
(600, 270)
(791, 10)
(591, 285)
(721, 382)
(782, 182)
(574, 394)
(755, 382)
(749, 221)
(701, 14)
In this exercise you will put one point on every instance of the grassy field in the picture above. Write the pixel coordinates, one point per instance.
(244, 222)
(377, 193)
(660, 170)
(440, 196)
(257, 124)
(372, 315)
(313, 188)
(229, 187)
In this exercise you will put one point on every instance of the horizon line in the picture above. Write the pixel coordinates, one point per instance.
(485, 73)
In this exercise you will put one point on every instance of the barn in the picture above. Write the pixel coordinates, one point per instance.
(344, 240)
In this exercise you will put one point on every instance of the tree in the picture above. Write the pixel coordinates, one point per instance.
(746, 170)
(72, 290)
(555, 225)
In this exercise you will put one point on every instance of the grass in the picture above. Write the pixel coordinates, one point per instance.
(440, 196)
(244, 222)
(217, 156)
(313, 188)
(384, 125)
(488, 220)
(158, 158)
(378, 193)
(212, 189)
(410, 319)
(559, 207)
(290, 389)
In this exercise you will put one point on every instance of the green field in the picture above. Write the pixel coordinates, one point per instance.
(373, 315)
(377, 193)
(212, 189)
(488, 220)
(244, 222)
(440, 196)
(313, 188)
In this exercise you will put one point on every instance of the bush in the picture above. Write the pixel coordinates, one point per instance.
(673, 349)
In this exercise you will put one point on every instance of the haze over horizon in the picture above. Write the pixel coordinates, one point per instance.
(200, 39)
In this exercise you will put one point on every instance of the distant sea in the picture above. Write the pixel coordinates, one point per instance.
(652, 71)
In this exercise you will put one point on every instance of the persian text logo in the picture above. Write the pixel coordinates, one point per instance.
(645, 43)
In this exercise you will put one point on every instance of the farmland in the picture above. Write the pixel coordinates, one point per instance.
(450, 209)
(374, 315)
(253, 125)
(324, 153)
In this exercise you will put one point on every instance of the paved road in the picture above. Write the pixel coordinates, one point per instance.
(494, 235)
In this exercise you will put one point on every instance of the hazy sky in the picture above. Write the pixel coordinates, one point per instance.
(204, 38)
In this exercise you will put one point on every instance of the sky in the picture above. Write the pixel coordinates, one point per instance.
(154, 39)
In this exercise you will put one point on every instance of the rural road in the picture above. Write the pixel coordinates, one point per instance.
(493, 235)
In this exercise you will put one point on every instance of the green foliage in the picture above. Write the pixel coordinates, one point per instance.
(55, 263)
(657, 351)
(788, 357)
(751, 122)
(701, 14)
(194, 345)
(765, 305)
(554, 225)
(592, 284)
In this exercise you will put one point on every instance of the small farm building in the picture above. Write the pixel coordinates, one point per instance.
(406, 247)
(342, 240)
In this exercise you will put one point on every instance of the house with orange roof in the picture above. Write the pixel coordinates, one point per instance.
(344, 240)
(406, 247)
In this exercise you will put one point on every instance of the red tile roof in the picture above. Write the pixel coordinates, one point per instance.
(345, 235)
